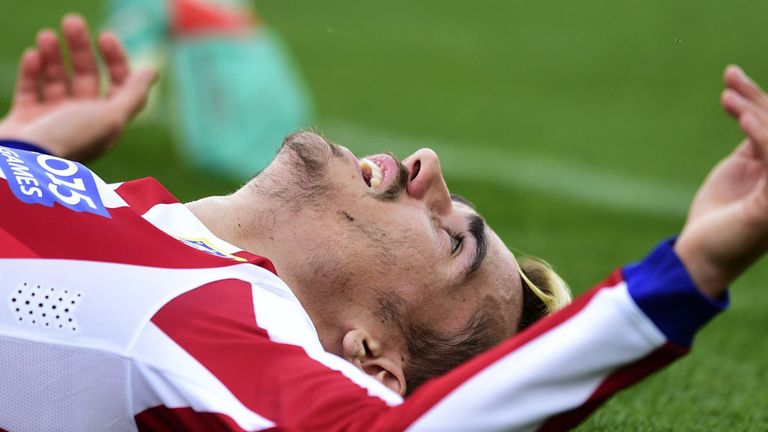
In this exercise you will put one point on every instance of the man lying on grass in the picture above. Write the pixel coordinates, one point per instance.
(327, 292)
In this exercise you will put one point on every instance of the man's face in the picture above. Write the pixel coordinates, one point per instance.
(377, 229)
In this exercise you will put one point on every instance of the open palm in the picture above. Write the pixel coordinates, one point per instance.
(727, 226)
(66, 113)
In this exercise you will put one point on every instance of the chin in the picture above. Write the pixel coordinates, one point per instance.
(307, 154)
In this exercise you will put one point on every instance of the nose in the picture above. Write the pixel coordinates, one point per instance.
(425, 180)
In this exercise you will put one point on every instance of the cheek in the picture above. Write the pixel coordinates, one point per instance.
(422, 273)
(414, 249)
(394, 254)
(392, 241)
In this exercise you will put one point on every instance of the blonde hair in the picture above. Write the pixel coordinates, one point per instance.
(544, 291)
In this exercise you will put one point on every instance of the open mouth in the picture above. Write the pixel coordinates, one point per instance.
(372, 173)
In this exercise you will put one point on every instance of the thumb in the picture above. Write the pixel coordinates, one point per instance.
(130, 97)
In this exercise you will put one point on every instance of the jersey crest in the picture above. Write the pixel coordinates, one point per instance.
(205, 245)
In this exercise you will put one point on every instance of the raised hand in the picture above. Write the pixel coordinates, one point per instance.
(65, 113)
(727, 226)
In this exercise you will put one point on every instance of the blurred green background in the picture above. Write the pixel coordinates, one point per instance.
(579, 129)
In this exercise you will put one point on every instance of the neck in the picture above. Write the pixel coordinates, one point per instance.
(243, 219)
(251, 221)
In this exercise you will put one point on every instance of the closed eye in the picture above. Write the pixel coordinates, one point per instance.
(457, 240)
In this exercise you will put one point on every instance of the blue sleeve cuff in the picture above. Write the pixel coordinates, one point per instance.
(21, 145)
(665, 292)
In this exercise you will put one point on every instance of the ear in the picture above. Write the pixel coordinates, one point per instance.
(374, 358)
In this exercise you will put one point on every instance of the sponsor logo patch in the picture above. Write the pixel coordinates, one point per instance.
(36, 178)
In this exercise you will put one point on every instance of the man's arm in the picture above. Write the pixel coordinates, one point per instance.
(66, 114)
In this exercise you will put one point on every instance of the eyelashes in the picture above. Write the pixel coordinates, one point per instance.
(457, 240)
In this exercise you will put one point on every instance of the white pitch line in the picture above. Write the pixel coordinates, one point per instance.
(554, 177)
(558, 178)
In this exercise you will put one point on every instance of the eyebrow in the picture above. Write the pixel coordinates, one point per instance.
(476, 230)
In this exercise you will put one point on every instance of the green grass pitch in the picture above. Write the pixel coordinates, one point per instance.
(580, 130)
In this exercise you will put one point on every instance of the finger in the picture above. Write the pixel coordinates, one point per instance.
(114, 57)
(737, 80)
(737, 105)
(734, 103)
(756, 130)
(85, 73)
(29, 73)
(128, 99)
(54, 83)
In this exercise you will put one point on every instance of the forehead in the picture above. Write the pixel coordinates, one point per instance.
(498, 272)
(499, 282)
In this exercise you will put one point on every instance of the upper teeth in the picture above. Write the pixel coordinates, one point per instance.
(376, 173)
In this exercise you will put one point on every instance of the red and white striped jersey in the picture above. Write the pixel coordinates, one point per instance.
(122, 311)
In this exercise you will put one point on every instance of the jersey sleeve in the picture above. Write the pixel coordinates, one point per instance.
(549, 377)
(553, 375)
